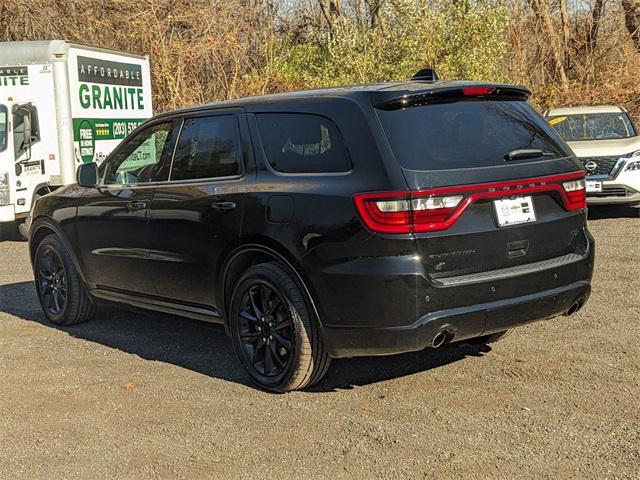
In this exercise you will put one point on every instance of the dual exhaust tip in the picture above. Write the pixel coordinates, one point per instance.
(441, 337)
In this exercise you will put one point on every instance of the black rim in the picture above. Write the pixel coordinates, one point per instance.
(52, 282)
(265, 330)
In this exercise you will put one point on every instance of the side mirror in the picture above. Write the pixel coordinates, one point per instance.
(27, 129)
(25, 113)
(87, 175)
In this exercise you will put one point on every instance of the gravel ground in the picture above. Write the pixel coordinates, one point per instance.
(132, 395)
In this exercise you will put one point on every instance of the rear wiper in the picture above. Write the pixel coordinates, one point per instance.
(525, 153)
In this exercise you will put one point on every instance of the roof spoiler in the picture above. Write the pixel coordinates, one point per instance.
(454, 93)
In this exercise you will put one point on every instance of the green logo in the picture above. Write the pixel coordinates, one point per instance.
(87, 139)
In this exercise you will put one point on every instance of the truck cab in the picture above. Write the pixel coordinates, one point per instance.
(23, 151)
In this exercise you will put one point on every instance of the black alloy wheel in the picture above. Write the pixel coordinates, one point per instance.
(52, 282)
(265, 329)
(62, 294)
(274, 333)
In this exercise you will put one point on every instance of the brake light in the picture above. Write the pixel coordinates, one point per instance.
(438, 209)
(475, 91)
(576, 193)
(385, 212)
(400, 212)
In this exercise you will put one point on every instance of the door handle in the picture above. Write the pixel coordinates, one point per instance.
(137, 205)
(223, 206)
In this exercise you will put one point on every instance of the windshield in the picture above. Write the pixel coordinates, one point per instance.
(467, 134)
(593, 126)
(3, 127)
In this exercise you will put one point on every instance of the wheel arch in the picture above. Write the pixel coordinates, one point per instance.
(253, 253)
(44, 226)
(42, 189)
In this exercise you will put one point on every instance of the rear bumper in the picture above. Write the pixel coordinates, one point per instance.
(459, 323)
(629, 199)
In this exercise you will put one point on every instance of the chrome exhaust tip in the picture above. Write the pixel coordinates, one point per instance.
(574, 308)
(439, 339)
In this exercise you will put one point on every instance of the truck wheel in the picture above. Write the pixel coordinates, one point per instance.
(63, 296)
(24, 229)
(273, 334)
(9, 231)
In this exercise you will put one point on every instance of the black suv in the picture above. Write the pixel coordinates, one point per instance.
(366, 220)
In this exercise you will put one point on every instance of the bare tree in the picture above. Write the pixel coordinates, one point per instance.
(632, 20)
(594, 27)
(541, 9)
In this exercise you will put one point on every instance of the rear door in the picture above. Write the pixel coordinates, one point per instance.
(488, 181)
(196, 217)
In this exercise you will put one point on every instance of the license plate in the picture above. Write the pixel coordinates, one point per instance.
(513, 211)
(594, 186)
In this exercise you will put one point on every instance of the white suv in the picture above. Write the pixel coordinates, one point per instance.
(607, 142)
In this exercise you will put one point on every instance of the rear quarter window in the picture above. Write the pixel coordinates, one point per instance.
(302, 143)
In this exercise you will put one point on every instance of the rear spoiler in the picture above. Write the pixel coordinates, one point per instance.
(452, 93)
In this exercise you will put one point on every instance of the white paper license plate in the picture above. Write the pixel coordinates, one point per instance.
(594, 186)
(512, 211)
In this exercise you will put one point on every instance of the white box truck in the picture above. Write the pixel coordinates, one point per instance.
(62, 104)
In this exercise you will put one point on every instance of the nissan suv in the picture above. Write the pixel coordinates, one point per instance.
(607, 143)
(366, 220)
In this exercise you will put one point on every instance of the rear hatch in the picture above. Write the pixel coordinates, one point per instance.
(492, 190)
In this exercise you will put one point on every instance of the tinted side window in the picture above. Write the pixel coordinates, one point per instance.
(301, 143)
(142, 158)
(207, 148)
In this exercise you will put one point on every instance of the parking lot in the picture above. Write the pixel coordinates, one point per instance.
(134, 395)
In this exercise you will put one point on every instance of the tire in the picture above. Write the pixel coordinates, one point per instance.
(487, 339)
(63, 296)
(273, 333)
(24, 230)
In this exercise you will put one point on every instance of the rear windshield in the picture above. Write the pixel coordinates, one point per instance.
(466, 134)
(593, 126)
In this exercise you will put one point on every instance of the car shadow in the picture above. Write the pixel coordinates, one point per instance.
(601, 212)
(204, 348)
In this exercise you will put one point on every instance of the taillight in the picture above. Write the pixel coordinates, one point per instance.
(438, 209)
(576, 194)
(430, 212)
(405, 212)
(385, 212)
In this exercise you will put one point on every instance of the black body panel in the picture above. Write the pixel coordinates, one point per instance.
(167, 245)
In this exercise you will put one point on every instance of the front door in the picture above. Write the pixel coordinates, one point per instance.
(113, 220)
(30, 154)
(196, 216)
